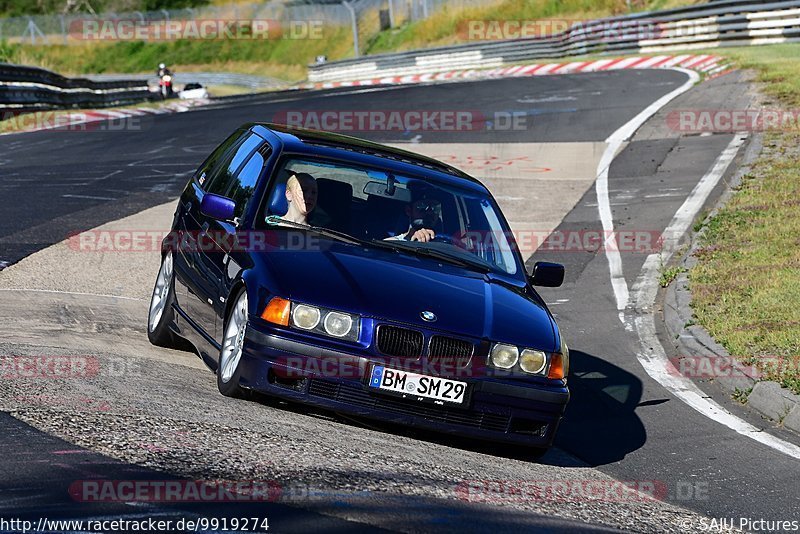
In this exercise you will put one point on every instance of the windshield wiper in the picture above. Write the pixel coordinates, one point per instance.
(275, 220)
(440, 255)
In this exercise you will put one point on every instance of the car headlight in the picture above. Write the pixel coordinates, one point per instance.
(532, 361)
(338, 324)
(305, 317)
(314, 319)
(504, 356)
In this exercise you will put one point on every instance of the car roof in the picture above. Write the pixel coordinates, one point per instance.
(318, 143)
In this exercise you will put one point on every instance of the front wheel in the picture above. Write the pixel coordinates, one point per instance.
(230, 355)
(161, 314)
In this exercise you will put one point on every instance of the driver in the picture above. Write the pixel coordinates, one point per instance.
(424, 216)
(301, 195)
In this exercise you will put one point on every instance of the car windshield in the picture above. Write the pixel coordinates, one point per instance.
(385, 209)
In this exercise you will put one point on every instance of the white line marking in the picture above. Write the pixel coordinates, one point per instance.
(614, 143)
(57, 291)
(663, 195)
(694, 202)
(651, 354)
(90, 197)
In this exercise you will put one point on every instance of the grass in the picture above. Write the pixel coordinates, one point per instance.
(448, 27)
(741, 395)
(776, 66)
(280, 58)
(287, 59)
(669, 274)
(746, 285)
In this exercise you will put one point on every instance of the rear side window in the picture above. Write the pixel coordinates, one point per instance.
(225, 173)
(206, 170)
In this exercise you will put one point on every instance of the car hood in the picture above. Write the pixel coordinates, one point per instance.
(398, 287)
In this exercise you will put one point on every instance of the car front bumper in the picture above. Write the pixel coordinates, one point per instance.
(499, 411)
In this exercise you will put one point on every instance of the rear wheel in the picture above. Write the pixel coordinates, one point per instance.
(161, 314)
(228, 370)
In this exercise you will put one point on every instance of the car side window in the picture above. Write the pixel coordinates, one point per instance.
(242, 186)
(206, 170)
(224, 175)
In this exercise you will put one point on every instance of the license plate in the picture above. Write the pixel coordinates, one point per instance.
(439, 390)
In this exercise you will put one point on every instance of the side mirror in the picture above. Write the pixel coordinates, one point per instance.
(547, 274)
(217, 207)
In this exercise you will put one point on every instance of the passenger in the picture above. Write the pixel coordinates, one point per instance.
(424, 217)
(301, 194)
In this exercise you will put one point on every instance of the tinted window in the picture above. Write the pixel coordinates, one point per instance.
(374, 204)
(242, 186)
(224, 175)
(205, 172)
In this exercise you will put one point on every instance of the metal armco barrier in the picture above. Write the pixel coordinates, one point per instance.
(24, 89)
(710, 25)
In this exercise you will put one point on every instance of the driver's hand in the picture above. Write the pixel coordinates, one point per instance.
(423, 235)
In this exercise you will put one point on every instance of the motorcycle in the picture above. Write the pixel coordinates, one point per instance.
(165, 86)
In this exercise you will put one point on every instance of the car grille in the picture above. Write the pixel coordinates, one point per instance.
(450, 350)
(356, 395)
(401, 342)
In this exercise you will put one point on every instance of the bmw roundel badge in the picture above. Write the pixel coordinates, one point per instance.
(428, 316)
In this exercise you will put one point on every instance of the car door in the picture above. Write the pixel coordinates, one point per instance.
(236, 181)
(188, 268)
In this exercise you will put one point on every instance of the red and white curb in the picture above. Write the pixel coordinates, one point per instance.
(708, 64)
(61, 120)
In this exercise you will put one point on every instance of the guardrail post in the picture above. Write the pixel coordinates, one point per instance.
(33, 29)
(63, 28)
(354, 20)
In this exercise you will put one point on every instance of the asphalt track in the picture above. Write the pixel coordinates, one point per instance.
(619, 421)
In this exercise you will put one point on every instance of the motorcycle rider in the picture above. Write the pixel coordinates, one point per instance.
(163, 70)
(164, 80)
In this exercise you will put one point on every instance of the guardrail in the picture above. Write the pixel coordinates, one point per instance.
(25, 89)
(252, 82)
(710, 25)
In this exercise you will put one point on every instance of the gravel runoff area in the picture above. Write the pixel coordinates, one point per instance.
(160, 409)
(171, 418)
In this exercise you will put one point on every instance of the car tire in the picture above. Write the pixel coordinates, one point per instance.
(230, 354)
(161, 313)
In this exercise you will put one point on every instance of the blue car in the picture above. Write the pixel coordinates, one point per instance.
(365, 280)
